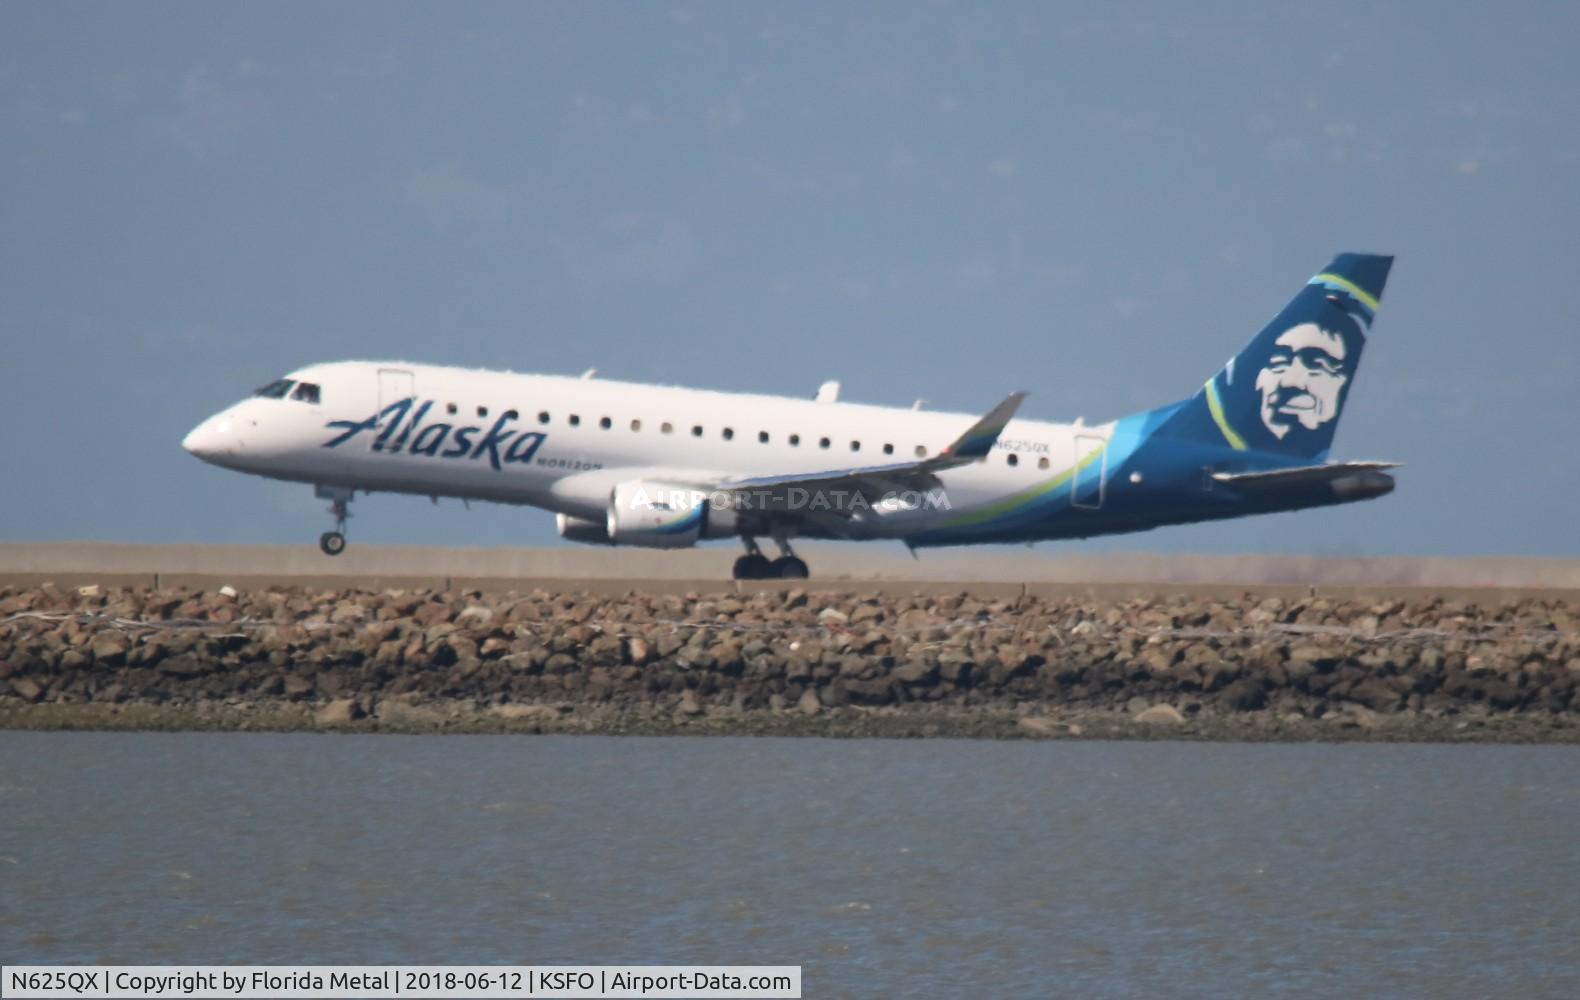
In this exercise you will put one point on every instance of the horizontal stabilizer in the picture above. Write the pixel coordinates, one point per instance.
(1348, 479)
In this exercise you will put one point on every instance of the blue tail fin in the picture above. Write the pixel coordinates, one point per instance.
(1285, 392)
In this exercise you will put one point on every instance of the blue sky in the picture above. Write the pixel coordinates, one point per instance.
(1098, 203)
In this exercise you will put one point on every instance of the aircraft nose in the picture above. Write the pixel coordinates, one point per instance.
(210, 440)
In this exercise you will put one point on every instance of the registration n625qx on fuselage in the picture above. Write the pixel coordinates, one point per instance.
(665, 467)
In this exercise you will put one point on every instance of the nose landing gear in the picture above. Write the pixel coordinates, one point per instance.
(332, 543)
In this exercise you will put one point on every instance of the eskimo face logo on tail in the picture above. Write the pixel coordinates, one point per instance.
(1303, 380)
(394, 433)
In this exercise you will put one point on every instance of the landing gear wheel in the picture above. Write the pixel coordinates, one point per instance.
(790, 568)
(332, 542)
(753, 566)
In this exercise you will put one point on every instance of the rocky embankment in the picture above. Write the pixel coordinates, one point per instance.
(791, 662)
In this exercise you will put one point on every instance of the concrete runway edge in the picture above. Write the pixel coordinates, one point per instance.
(985, 572)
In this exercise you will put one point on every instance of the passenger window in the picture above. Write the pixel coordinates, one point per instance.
(275, 390)
(888, 449)
(482, 411)
(307, 392)
(1013, 459)
(1042, 463)
(667, 427)
(855, 446)
(921, 451)
(543, 417)
(795, 440)
(823, 442)
(636, 425)
(605, 423)
(574, 420)
(696, 431)
(762, 437)
(729, 434)
(450, 409)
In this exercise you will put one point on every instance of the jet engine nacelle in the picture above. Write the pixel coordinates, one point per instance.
(578, 529)
(658, 515)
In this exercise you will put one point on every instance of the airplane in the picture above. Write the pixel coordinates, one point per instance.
(622, 463)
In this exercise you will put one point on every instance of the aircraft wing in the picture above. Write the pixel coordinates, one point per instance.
(875, 481)
(1303, 477)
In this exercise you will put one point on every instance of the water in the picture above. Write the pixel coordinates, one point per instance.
(922, 868)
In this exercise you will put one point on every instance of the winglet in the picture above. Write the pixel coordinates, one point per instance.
(976, 442)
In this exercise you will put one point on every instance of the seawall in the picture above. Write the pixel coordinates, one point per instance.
(792, 660)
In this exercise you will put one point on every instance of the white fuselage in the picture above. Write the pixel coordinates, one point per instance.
(563, 444)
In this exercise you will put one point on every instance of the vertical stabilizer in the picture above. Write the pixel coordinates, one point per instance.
(1285, 392)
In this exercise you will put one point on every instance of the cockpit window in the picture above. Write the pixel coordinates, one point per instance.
(275, 390)
(307, 392)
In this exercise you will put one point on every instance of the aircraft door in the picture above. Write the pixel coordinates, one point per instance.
(1089, 480)
(395, 384)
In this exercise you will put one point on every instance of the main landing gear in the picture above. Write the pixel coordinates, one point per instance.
(334, 542)
(756, 566)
